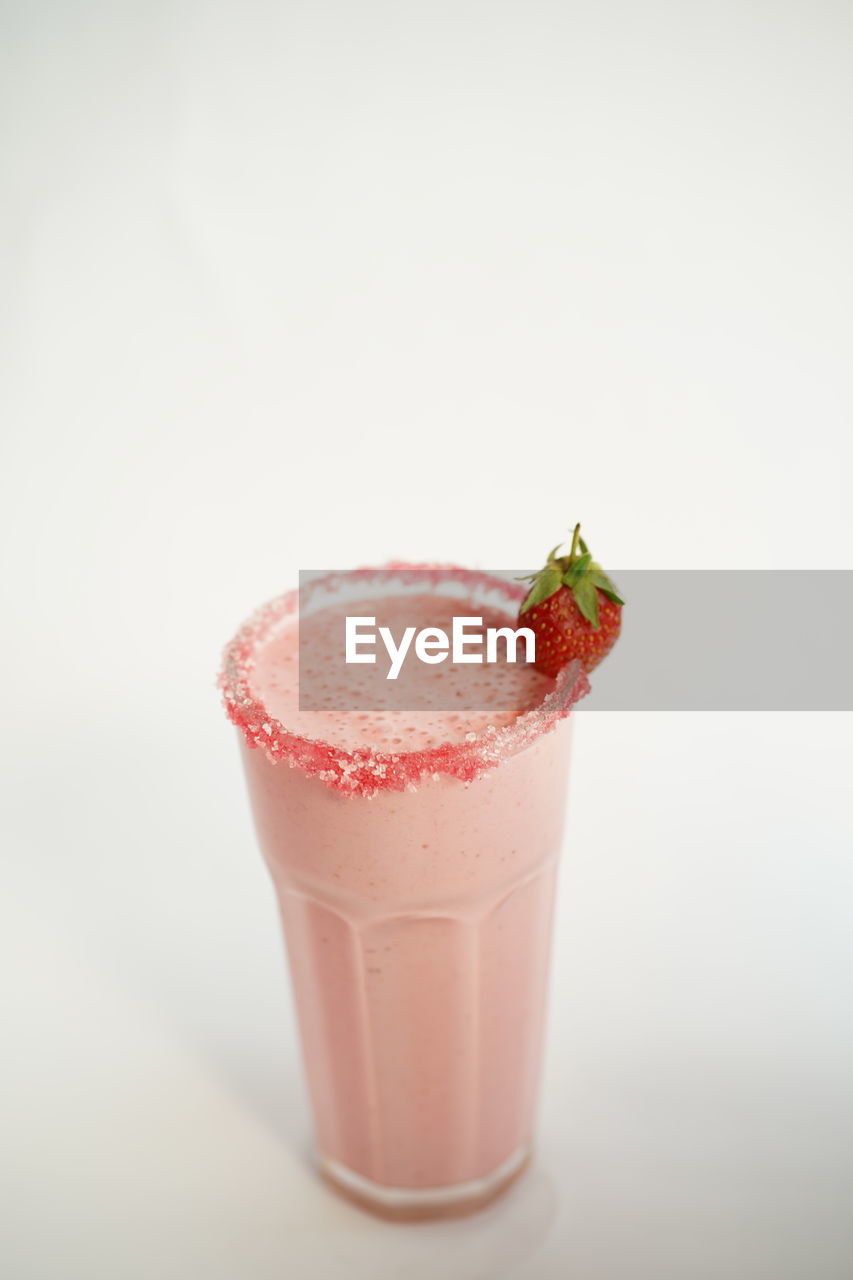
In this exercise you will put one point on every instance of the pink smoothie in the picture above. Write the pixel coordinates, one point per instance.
(414, 855)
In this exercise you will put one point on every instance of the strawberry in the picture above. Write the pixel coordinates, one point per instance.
(573, 609)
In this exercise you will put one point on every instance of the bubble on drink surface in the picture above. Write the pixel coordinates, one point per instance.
(363, 753)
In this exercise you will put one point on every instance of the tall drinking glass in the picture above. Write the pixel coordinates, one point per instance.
(416, 890)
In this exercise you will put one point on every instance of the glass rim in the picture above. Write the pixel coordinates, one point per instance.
(366, 770)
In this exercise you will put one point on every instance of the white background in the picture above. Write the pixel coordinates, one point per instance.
(310, 284)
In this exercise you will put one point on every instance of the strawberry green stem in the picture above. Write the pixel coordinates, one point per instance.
(575, 536)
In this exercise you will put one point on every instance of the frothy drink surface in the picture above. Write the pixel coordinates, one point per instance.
(492, 693)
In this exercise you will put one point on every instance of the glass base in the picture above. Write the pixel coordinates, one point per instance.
(402, 1203)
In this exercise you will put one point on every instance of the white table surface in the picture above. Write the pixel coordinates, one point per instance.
(696, 1108)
